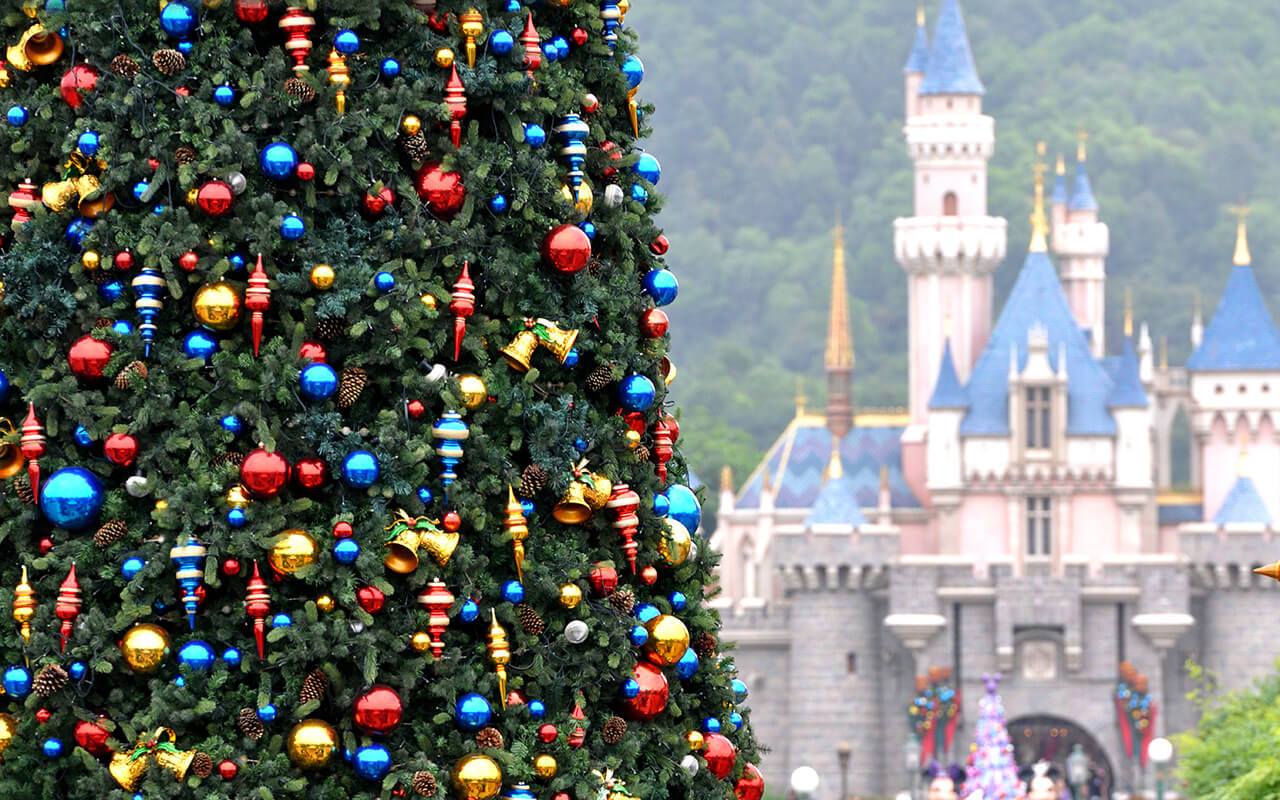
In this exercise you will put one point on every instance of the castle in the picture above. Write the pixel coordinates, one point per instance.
(1016, 517)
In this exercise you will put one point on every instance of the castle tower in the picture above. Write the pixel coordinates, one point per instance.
(1081, 244)
(839, 354)
(950, 247)
(916, 63)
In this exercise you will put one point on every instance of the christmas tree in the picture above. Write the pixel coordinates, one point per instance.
(991, 773)
(341, 464)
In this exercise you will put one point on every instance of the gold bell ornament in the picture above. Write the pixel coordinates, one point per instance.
(499, 654)
(8, 727)
(36, 48)
(128, 768)
(58, 195)
(573, 508)
(538, 332)
(597, 493)
(515, 524)
(521, 349)
(407, 534)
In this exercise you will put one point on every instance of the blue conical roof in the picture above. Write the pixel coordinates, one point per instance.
(1059, 194)
(1241, 335)
(837, 504)
(1243, 504)
(1127, 391)
(918, 61)
(947, 392)
(951, 69)
(1082, 198)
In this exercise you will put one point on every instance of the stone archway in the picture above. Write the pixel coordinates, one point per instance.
(1047, 738)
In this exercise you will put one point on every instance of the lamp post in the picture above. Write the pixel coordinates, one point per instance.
(911, 759)
(843, 751)
(1077, 769)
(1160, 751)
(804, 782)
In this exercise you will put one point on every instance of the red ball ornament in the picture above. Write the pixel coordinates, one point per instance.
(580, 36)
(264, 473)
(370, 598)
(78, 79)
(88, 357)
(604, 579)
(251, 11)
(121, 449)
(189, 261)
(719, 753)
(415, 408)
(614, 153)
(654, 323)
(514, 698)
(182, 91)
(660, 246)
(124, 260)
(442, 191)
(227, 770)
(377, 712)
(46, 544)
(649, 575)
(547, 732)
(231, 567)
(313, 351)
(375, 205)
(44, 715)
(342, 530)
(311, 473)
(92, 737)
(652, 698)
(305, 171)
(590, 103)
(567, 248)
(215, 198)
(153, 164)
(751, 785)
(452, 521)
(561, 796)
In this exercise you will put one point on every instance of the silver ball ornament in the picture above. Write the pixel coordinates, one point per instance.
(237, 182)
(613, 195)
(437, 373)
(357, 626)
(576, 631)
(137, 486)
(690, 765)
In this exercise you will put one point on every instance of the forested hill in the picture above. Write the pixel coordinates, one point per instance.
(771, 115)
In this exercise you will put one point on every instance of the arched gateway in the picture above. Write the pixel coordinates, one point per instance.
(1046, 738)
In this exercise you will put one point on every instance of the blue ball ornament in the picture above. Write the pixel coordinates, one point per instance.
(83, 437)
(77, 670)
(678, 601)
(293, 228)
(111, 291)
(648, 168)
(687, 666)
(231, 423)
(551, 52)
(186, 46)
(384, 281)
(237, 262)
(131, 567)
(72, 498)
(17, 116)
(4, 386)
(88, 143)
(639, 194)
(685, 507)
(630, 688)
(347, 42)
(501, 42)
(360, 469)
(472, 712)
(513, 591)
(633, 71)
(76, 231)
(661, 505)
(498, 204)
(346, 551)
(236, 517)
(589, 228)
(178, 20)
(711, 725)
(318, 381)
(571, 360)
(140, 190)
(580, 445)
(735, 720)
(52, 748)
(513, 6)
(157, 210)
(197, 655)
(527, 507)
(739, 690)
(638, 635)
(390, 68)
(179, 681)
(537, 709)
(267, 713)
(224, 95)
(231, 656)
(534, 135)
(200, 344)
(562, 46)
(279, 161)
(17, 681)
(636, 393)
(469, 611)
(425, 496)
(372, 762)
(282, 621)
(661, 286)
(123, 327)
(646, 611)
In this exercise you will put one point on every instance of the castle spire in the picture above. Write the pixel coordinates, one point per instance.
(1128, 313)
(1242, 256)
(839, 354)
(1039, 222)
(1082, 198)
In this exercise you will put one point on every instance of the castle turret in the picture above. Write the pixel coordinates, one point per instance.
(1081, 244)
(839, 352)
(917, 61)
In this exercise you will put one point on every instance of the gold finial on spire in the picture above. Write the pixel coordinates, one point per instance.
(1164, 352)
(1082, 150)
(800, 398)
(920, 14)
(1039, 222)
(946, 321)
(726, 478)
(1242, 465)
(839, 341)
(1061, 169)
(835, 467)
(1128, 313)
(1242, 257)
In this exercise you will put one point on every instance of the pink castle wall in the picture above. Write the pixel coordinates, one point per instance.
(1095, 523)
(984, 525)
(1222, 462)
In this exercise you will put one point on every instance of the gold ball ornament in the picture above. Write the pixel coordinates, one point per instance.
(444, 57)
(91, 260)
(8, 727)
(162, 505)
(545, 765)
(586, 198)
(311, 744)
(322, 276)
(421, 642)
(695, 740)
(474, 392)
(193, 197)
(676, 544)
(145, 648)
(570, 595)
(292, 550)
(411, 124)
(217, 305)
(325, 603)
(428, 300)
(476, 777)
(668, 640)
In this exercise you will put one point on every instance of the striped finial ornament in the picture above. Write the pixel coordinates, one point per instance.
(257, 298)
(455, 96)
(611, 16)
(462, 304)
(297, 24)
(339, 76)
(68, 605)
(31, 445)
(189, 558)
(450, 431)
(425, 6)
(572, 133)
(150, 287)
(532, 41)
(24, 606)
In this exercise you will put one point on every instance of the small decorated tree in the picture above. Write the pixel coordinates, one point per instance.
(991, 773)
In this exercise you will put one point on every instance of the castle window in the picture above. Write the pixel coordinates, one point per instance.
(851, 663)
(1038, 413)
(1217, 389)
(1241, 389)
(949, 204)
(1039, 526)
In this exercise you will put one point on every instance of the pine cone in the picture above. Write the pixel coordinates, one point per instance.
(99, 276)
(424, 783)
(49, 680)
(532, 480)
(249, 724)
(705, 645)
(170, 62)
(184, 155)
(22, 488)
(299, 90)
(530, 620)
(594, 267)
(202, 765)
(623, 600)
(350, 385)
(330, 329)
(313, 686)
(641, 454)
(124, 66)
(230, 459)
(110, 533)
(488, 737)
(134, 370)
(600, 377)
(614, 730)
(416, 147)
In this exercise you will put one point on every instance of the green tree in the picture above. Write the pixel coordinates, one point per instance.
(195, 420)
(1231, 753)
